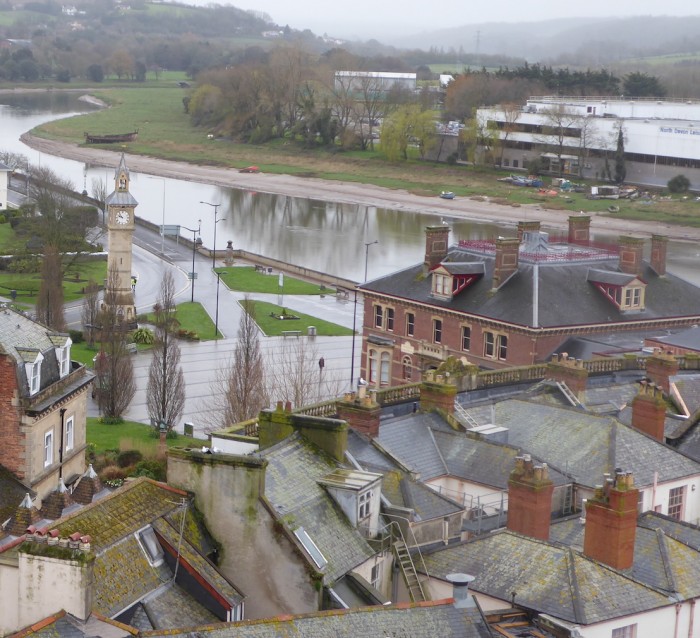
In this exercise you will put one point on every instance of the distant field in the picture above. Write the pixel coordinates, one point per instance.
(671, 59)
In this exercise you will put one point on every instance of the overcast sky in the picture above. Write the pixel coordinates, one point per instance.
(364, 19)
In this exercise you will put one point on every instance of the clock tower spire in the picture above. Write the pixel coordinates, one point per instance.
(120, 229)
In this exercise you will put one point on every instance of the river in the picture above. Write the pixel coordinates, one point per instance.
(325, 236)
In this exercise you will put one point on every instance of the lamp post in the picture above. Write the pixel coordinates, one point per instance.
(367, 245)
(216, 221)
(162, 226)
(354, 317)
(194, 232)
(216, 321)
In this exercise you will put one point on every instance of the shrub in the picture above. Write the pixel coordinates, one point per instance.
(127, 458)
(143, 335)
(3, 219)
(678, 184)
(452, 158)
(112, 473)
(76, 336)
(151, 468)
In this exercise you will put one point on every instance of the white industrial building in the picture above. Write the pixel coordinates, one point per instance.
(374, 81)
(661, 137)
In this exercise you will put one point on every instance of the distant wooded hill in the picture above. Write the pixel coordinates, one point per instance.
(574, 41)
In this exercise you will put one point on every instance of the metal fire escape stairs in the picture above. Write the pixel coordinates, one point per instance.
(407, 566)
(466, 419)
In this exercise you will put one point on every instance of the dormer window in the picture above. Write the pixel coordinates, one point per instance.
(33, 371)
(442, 285)
(449, 279)
(624, 290)
(364, 505)
(63, 356)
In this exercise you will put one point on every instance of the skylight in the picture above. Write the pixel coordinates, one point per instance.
(310, 547)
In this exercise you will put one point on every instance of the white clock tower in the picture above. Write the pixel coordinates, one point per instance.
(120, 226)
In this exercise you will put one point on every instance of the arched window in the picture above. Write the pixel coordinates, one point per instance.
(385, 369)
(373, 365)
(406, 369)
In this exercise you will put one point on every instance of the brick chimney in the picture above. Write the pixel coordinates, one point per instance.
(527, 227)
(579, 229)
(530, 498)
(436, 245)
(649, 411)
(436, 392)
(611, 522)
(631, 250)
(659, 244)
(660, 368)
(361, 413)
(569, 371)
(507, 252)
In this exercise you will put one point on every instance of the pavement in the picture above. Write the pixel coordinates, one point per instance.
(202, 361)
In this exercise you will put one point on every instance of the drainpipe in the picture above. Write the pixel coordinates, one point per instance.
(675, 628)
(691, 620)
(60, 449)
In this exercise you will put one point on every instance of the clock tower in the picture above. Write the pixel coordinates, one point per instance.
(120, 227)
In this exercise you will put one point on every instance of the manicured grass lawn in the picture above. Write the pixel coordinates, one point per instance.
(129, 436)
(273, 327)
(194, 318)
(247, 279)
(75, 280)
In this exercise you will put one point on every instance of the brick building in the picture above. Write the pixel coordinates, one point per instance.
(43, 405)
(515, 301)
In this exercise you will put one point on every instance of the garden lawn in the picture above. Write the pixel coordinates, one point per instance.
(247, 279)
(193, 319)
(130, 436)
(273, 327)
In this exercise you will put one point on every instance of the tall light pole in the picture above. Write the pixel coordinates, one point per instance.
(354, 317)
(216, 221)
(367, 245)
(216, 321)
(162, 226)
(194, 232)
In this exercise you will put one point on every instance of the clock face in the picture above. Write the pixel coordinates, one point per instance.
(122, 217)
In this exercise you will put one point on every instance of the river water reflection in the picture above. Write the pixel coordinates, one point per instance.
(324, 236)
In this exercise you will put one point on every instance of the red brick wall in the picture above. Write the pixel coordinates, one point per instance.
(530, 499)
(13, 448)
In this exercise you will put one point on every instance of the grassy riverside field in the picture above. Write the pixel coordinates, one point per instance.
(165, 132)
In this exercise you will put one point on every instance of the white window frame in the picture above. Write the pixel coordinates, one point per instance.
(628, 631)
(378, 316)
(466, 338)
(410, 324)
(70, 433)
(389, 319)
(442, 285)
(33, 371)
(676, 502)
(64, 359)
(502, 347)
(376, 575)
(364, 505)
(489, 344)
(48, 448)
(437, 330)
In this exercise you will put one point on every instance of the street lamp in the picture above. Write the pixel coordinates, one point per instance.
(367, 245)
(194, 232)
(216, 321)
(216, 221)
(354, 317)
(162, 226)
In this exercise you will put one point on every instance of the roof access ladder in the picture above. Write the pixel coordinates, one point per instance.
(466, 419)
(407, 565)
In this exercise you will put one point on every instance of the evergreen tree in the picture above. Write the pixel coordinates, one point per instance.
(620, 170)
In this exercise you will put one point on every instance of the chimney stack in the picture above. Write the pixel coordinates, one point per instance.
(660, 368)
(436, 392)
(361, 412)
(460, 590)
(649, 411)
(659, 244)
(507, 253)
(530, 498)
(569, 371)
(579, 230)
(631, 251)
(527, 227)
(611, 522)
(436, 245)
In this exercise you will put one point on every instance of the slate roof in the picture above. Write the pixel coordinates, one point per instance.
(410, 439)
(12, 491)
(666, 552)
(291, 486)
(566, 297)
(420, 620)
(62, 625)
(689, 339)
(19, 334)
(546, 577)
(584, 445)
(402, 491)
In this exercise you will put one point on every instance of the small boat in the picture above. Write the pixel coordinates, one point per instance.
(113, 138)
(447, 195)
(249, 169)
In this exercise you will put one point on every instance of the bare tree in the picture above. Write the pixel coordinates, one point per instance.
(511, 113)
(91, 310)
(561, 131)
(239, 389)
(296, 376)
(165, 394)
(98, 190)
(115, 372)
(49, 304)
